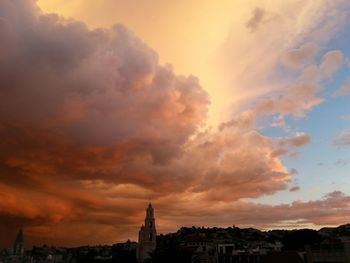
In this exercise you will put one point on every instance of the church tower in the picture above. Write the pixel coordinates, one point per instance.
(147, 236)
(18, 247)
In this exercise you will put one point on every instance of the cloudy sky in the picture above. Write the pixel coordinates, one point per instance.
(220, 112)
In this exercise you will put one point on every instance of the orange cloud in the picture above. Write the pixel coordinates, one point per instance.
(92, 125)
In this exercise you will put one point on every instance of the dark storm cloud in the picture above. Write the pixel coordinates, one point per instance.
(91, 126)
(80, 105)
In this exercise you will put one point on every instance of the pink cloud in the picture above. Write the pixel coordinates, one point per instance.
(343, 90)
(331, 62)
(298, 57)
(92, 126)
(342, 139)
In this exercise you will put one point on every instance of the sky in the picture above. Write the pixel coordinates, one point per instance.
(219, 112)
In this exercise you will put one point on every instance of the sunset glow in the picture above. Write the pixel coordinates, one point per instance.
(220, 112)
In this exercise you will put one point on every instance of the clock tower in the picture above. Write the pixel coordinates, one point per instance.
(147, 236)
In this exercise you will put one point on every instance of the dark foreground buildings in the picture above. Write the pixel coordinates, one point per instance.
(17, 253)
(199, 245)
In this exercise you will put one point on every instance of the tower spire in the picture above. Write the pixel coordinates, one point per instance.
(147, 235)
(18, 247)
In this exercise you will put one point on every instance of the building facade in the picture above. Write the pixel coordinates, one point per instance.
(329, 251)
(147, 236)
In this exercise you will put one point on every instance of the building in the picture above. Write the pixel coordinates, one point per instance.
(46, 254)
(18, 246)
(228, 253)
(16, 254)
(335, 250)
(260, 252)
(147, 236)
(202, 248)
